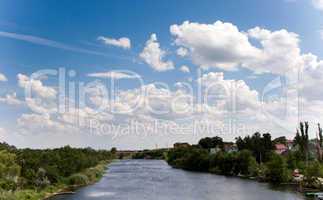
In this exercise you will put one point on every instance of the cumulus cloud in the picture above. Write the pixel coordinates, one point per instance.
(123, 42)
(40, 122)
(221, 101)
(224, 46)
(280, 51)
(311, 77)
(153, 55)
(185, 69)
(182, 52)
(3, 77)
(318, 4)
(113, 75)
(214, 45)
(36, 86)
(11, 99)
(217, 86)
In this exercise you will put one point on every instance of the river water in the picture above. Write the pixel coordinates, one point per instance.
(155, 180)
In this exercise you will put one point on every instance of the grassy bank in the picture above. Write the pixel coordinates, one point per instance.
(84, 178)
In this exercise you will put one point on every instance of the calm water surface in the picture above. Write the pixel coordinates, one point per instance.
(155, 180)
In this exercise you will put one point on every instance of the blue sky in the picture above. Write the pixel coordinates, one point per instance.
(74, 27)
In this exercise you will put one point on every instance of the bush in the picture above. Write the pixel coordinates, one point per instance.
(78, 179)
(276, 169)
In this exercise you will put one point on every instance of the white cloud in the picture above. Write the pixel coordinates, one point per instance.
(40, 122)
(153, 55)
(184, 69)
(224, 102)
(3, 77)
(123, 42)
(46, 42)
(217, 86)
(224, 46)
(311, 77)
(318, 4)
(214, 45)
(280, 51)
(113, 75)
(182, 52)
(11, 99)
(36, 86)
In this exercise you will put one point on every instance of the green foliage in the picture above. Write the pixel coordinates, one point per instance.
(246, 163)
(9, 171)
(302, 140)
(197, 159)
(280, 140)
(31, 174)
(208, 143)
(189, 158)
(113, 150)
(158, 154)
(312, 171)
(260, 146)
(57, 163)
(78, 179)
(320, 133)
(276, 169)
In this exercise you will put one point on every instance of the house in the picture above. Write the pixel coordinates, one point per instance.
(280, 148)
(181, 145)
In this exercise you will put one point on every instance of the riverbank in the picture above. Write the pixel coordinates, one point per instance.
(93, 175)
(67, 185)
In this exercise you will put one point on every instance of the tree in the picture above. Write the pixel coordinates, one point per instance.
(276, 169)
(9, 170)
(302, 139)
(320, 143)
(41, 180)
(208, 143)
(280, 140)
(312, 171)
(260, 146)
(244, 160)
(113, 150)
(320, 135)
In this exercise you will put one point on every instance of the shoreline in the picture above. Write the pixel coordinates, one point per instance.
(71, 189)
(294, 186)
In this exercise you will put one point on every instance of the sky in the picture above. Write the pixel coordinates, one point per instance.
(146, 74)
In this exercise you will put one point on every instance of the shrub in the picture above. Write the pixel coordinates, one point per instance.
(78, 179)
(276, 169)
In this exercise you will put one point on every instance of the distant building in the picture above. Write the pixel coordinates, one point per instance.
(181, 145)
(280, 148)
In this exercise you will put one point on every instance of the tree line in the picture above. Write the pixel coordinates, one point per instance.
(255, 157)
(36, 170)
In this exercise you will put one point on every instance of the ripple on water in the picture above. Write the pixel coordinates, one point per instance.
(101, 194)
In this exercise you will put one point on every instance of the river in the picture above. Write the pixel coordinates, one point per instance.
(155, 180)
